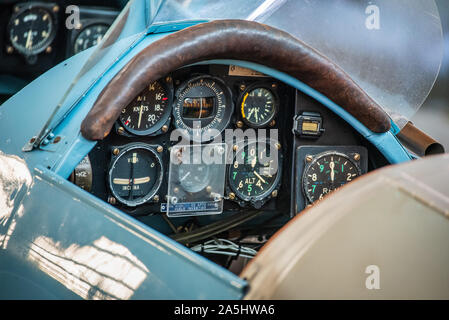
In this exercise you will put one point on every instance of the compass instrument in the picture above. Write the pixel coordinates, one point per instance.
(203, 103)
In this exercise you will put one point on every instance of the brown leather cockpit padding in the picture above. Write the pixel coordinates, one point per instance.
(238, 40)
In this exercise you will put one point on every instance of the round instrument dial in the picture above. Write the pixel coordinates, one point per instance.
(256, 171)
(149, 111)
(31, 30)
(326, 172)
(90, 36)
(203, 103)
(258, 106)
(193, 177)
(135, 174)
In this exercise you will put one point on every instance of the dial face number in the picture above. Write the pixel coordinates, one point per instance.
(31, 30)
(203, 102)
(135, 175)
(89, 37)
(258, 107)
(326, 173)
(193, 177)
(254, 172)
(147, 112)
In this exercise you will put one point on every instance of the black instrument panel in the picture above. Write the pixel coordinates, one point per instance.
(207, 95)
(316, 149)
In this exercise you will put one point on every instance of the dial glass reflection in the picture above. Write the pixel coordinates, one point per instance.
(193, 177)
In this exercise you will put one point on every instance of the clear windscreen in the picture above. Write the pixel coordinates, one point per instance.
(391, 48)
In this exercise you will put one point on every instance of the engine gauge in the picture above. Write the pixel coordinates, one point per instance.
(135, 175)
(258, 105)
(89, 37)
(149, 111)
(255, 172)
(31, 30)
(203, 103)
(326, 172)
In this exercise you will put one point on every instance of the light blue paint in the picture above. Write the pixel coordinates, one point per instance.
(57, 224)
(387, 143)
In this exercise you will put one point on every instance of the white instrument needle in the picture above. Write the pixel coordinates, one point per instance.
(140, 116)
(29, 42)
(332, 166)
(258, 176)
(183, 178)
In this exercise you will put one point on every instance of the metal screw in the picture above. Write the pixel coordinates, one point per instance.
(168, 79)
(55, 8)
(209, 189)
(48, 50)
(242, 87)
(112, 200)
(115, 151)
(274, 85)
(278, 146)
(160, 149)
(9, 49)
(121, 130)
(231, 196)
(235, 147)
(164, 128)
(274, 194)
(176, 190)
(239, 124)
(16, 9)
(272, 123)
(356, 157)
(57, 139)
(309, 158)
(156, 198)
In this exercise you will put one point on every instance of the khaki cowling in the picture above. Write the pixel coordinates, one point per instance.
(238, 40)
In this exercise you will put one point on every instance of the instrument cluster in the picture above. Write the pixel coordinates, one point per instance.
(197, 106)
(278, 150)
(37, 35)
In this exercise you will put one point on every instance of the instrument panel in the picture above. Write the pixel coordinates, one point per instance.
(189, 106)
(283, 151)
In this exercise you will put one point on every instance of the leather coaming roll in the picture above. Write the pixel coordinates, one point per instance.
(237, 40)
